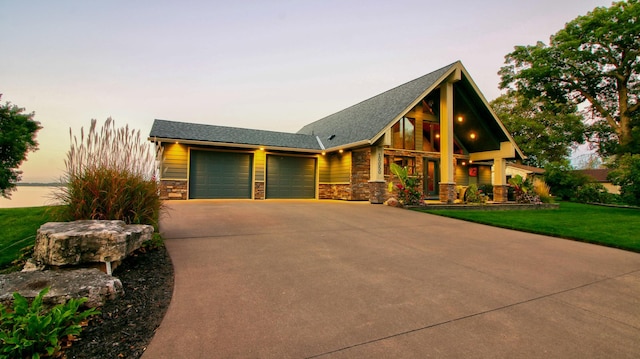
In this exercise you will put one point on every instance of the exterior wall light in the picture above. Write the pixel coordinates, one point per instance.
(472, 136)
(460, 118)
(261, 148)
(323, 153)
(341, 151)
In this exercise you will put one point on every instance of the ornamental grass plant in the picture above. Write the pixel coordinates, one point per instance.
(110, 174)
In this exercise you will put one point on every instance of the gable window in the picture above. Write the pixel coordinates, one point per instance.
(404, 134)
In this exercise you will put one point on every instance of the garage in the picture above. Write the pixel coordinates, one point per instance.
(214, 175)
(291, 177)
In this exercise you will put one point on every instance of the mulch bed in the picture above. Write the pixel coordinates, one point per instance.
(126, 325)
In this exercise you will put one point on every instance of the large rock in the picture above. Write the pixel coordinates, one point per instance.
(87, 241)
(98, 287)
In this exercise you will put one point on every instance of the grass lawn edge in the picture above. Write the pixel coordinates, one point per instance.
(527, 230)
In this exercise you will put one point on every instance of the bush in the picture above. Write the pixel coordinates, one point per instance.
(563, 181)
(474, 195)
(626, 174)
(408, 190)
(487, 189)
(592, 192)
(29, 331)
(110, 174)
(542, 190)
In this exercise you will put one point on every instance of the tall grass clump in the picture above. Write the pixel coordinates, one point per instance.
(110, 174)
(542, 189)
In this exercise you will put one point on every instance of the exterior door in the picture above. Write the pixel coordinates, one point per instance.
(431, 177)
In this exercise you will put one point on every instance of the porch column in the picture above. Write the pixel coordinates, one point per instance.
(377, 184)
(447, 180)
(500, 188)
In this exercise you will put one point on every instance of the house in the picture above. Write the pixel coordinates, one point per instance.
(514, 169)
(600, 175)
(439, 126)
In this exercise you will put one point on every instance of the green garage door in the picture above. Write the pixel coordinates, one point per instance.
(220, 175)
(291, 177)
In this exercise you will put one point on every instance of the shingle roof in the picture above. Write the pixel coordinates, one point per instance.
(223, 134)
(366, 119)
(598, 174)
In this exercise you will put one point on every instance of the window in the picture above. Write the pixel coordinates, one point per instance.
(409, 162)
(404, 134)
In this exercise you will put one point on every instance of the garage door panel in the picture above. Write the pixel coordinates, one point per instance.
(291, 177)
(220, 175)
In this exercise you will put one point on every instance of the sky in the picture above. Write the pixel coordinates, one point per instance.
(271, 65)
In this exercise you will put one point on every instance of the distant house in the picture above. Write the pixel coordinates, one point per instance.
(600, 175)
(439, 126)
(514, 169)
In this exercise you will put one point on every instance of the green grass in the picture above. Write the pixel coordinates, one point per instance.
(18, 230)
(613, 227)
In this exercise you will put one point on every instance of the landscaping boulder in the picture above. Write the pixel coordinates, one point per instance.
(88, 241)
(93, 284)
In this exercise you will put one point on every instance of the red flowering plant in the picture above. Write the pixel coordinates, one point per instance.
(408, 190)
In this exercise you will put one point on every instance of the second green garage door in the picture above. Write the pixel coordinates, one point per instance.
(291, 177)
(220, 175)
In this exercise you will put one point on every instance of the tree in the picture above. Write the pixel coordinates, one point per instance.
(543, 129)
(17, 137)
(626, 174)
(593, 60)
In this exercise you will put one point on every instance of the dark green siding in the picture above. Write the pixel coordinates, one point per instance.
(291, 177)
(220, 175)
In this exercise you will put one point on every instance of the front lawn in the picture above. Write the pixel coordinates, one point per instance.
(18, 230)
(614, 227)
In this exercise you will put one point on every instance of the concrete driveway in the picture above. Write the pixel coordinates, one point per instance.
(330, 279)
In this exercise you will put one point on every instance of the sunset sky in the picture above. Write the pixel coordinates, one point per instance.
(274, 65)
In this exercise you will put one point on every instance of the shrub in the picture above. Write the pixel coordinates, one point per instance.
(592, 192)
(408, 189)
(29, 331)
(626, 174)
(523, 190)
(110, 174)
(542, 190)
(487, 189)
(474, 195)
(563, 181)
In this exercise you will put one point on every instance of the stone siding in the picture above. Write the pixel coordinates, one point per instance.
(171, 189)
(334, 191)
(500, 193)
(360, 168)
(258, 190)
(447, 192)
(378, 190)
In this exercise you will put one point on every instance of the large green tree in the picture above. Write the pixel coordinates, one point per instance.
(17, 137)
(594, 60)
(544, 130)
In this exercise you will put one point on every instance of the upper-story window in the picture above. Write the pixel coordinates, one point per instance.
(404, 134)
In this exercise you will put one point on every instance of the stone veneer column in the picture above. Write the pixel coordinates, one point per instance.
(258, 191)
(447, 192)
(500, 193)
(377, 192)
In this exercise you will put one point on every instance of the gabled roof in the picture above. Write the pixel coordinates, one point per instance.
(365, 120)
(170, 130)
(363, 123)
